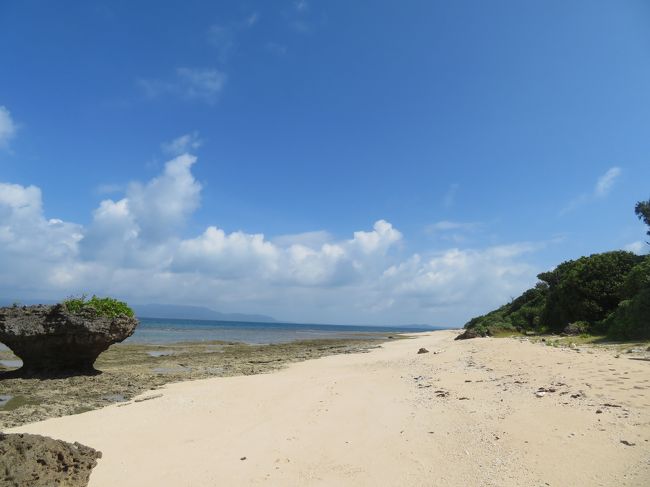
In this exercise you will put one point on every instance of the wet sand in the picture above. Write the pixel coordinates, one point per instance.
(130, 369)
(501, 412)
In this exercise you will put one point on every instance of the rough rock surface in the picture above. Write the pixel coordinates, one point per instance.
(573, 329)
(38, 461)
(50, 339)
(469, 333)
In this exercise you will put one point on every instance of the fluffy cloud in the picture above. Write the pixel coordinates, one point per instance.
(227, 256)
(138, 229)
(33, 249)
(133, 249)
(7, 127)
(453, 276)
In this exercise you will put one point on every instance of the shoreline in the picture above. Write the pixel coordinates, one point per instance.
(126, 370)
(503, 412)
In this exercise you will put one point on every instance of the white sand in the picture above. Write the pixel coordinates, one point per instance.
(365, 420)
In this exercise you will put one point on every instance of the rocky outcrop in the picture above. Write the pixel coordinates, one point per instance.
(50, 339)
(576, 328)
(38, 461)
(470, 333)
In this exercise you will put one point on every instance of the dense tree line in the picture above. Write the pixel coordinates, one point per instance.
(604, 294)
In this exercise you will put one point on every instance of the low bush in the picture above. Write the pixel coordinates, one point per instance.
(109, 307)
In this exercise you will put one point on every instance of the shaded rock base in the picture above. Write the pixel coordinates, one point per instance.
(38, 461)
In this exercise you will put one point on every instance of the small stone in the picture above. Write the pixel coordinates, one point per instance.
(599, 411)
(243, 458)
(423, 350)
(540, 393)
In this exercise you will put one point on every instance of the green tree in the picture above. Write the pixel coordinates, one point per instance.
(642, 210)
(587, 289)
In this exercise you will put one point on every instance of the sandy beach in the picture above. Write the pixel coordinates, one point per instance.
(488, 411)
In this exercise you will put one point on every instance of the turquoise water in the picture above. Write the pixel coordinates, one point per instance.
(157, 330)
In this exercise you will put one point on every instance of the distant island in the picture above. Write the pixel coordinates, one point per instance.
(175, 311)
(168, 311)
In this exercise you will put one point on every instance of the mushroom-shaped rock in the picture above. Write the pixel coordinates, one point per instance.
(51, 339)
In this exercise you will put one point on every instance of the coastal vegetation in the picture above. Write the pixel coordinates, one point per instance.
(108, 307)
(605, 294)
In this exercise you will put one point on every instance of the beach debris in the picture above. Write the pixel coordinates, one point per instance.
(243, 458)
(627, 443)
(423, 350)
(540, 393)
(50, 339)
(546, 389)
(599, 411)
(38, 461)
(441, 393)
(463, 398)
(141, 399)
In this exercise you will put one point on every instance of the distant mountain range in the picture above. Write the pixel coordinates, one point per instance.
(174, 311)
(169, 311)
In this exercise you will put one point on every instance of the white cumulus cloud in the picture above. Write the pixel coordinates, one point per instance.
(134, 248)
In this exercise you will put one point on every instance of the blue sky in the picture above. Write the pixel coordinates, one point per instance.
(225, 153)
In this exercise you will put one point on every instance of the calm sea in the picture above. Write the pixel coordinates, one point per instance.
(157, 330)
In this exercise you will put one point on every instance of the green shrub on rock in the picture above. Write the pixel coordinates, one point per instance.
(109, 307)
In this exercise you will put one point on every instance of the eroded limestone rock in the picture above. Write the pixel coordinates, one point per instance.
(38, 461)
(50, 339)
